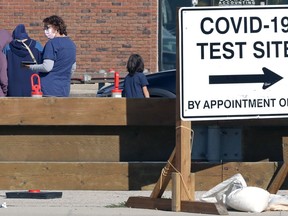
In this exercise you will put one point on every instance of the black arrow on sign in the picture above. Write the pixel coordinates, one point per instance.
(268, 78)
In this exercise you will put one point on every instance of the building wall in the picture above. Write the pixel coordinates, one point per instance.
(106, 32)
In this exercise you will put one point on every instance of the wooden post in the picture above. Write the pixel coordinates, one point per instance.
(176, 182)
(192, 186)
(181, 169)
(183, 157)
(283, 172)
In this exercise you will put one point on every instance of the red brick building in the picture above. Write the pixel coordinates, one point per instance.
(106, 32)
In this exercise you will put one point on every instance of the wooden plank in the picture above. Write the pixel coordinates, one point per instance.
(206, 182)
(282, 173)
(149, 203)
(165, 177)
(57, 148)
(285, 149)
(107, 176)
(278, 180)
(87, 111)
(255, 173)
(207, 175)
(186, 206)
(203, 208)
(64, 176)
(137, 143)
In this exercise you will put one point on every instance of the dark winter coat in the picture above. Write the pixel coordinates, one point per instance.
(5, 38)
(19, 77)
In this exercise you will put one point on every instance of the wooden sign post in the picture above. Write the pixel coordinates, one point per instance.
(178, 168)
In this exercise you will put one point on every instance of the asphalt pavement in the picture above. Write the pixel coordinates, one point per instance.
(96, 203)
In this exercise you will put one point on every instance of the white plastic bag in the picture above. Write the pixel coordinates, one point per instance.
(278, 203)
(219, 193)
(235, 194)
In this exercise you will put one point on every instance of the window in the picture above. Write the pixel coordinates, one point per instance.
(168, 18)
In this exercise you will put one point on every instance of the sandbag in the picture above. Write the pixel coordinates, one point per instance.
(235, 194)
(248, 199)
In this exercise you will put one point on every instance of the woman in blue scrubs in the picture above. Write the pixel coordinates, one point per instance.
(59, 59)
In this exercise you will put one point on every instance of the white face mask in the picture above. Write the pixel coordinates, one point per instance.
(49, 34)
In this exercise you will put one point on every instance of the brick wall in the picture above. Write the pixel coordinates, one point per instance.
(106, 32)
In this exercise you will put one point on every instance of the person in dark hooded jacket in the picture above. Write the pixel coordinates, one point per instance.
(5, 38)
(21, 48)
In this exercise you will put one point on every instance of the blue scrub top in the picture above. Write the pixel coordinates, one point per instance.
(133, 85)
(62, 50)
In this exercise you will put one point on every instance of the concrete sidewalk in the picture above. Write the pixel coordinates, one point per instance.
(91, 203)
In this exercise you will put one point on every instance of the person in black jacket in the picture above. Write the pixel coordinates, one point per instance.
(21, 48)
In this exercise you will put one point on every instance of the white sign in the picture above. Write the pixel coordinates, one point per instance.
(233, 62)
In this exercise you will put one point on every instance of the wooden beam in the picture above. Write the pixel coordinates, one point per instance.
(285, 149)
(283, 172)
(183, 138)
(186, 206)
(278, 180)
(97, 175)
(164, 178)
(203, 208)
(87, 111)
(60, 148)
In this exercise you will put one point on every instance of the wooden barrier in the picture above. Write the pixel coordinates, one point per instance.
(82, 143)
(99, 144)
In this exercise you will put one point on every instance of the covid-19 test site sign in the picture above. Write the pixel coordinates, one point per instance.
(233, 62)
